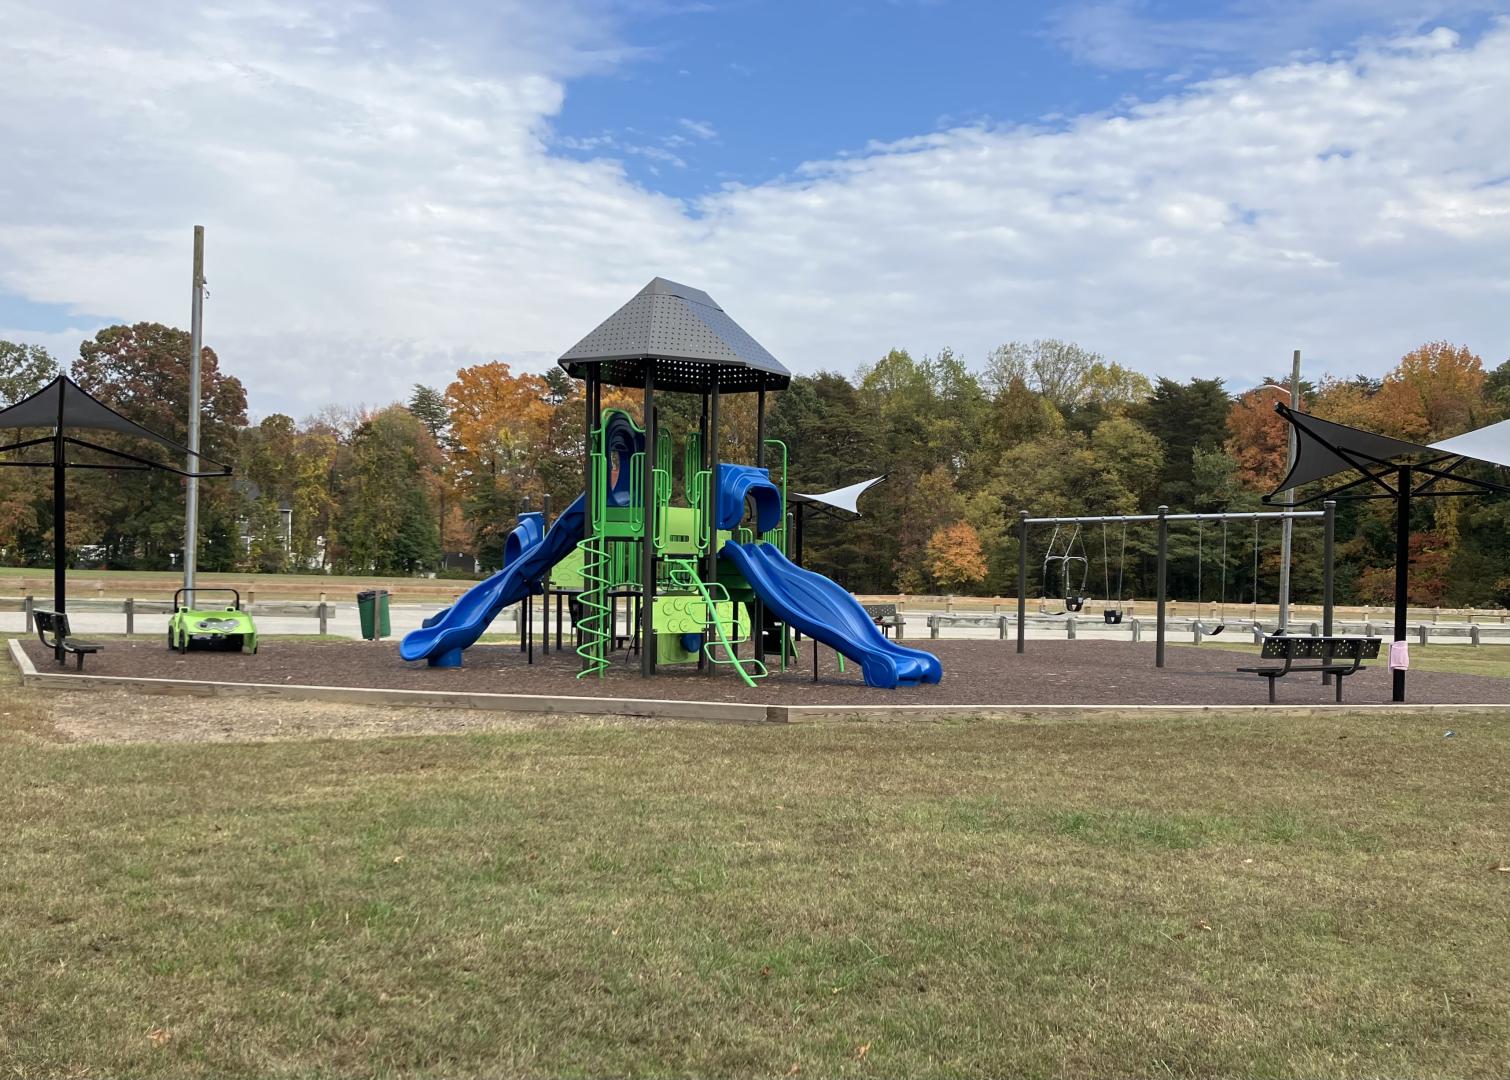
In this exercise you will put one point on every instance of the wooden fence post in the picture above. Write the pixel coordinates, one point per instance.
(324, 616)
(27, 603)
(130, 615)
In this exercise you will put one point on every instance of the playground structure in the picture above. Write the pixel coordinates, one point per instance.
(1057, 564)
(704, 576)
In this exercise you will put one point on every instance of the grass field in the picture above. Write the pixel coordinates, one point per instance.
(1081, 897)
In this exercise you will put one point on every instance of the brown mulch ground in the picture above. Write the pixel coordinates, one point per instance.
(975, 673)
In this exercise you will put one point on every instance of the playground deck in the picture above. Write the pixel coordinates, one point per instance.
(975, 673)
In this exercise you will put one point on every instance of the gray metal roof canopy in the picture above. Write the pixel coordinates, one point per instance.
(684, 337)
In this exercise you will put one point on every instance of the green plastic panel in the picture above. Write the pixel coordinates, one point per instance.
(567, 574)
(686, 613)
(679, 528)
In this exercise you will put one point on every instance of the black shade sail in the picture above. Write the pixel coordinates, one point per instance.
(1325, 448)
(61, 407)
(64, 404)
(1382, 467)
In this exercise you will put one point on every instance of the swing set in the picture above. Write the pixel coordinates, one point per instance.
(1066, 569)
(1071, 572)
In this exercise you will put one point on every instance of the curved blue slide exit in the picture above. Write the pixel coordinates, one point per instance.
(826, 612)
(528, 557)
(738, 482)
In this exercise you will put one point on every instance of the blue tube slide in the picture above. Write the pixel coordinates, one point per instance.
(826, 612)
(527, 558)
(736, 483)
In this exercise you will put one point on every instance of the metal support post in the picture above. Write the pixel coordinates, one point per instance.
(1163, 581)
(545, 580)
(710, 572)
(1402, 567)
(647, 541)
(1328, 551)
(1022, 578)
(757, 614)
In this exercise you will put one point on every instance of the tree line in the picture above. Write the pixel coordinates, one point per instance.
(1043, 426)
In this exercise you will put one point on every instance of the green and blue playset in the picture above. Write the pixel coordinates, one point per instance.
(701, 575)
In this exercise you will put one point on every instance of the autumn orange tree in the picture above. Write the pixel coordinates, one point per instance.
(1436, 391)
(1258, 439)
(499, 424)
(955, 559)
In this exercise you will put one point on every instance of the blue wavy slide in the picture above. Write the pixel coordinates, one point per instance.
(528, 557)
(823, 610)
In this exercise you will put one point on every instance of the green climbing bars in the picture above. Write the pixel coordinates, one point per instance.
(684, 576)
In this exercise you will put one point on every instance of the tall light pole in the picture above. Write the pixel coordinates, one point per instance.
(1288, 533)
(196, 348)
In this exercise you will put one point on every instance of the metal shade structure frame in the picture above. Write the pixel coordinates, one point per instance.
(1325, 448)
(64, 406)
(1327, 515)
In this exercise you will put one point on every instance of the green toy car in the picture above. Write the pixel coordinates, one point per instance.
(225, 629)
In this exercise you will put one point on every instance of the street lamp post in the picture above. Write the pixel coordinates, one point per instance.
(1288, 533)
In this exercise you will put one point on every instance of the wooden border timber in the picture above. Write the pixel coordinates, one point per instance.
(360, 695)
(715, 711)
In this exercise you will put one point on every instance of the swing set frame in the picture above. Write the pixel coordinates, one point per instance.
(1327, 516)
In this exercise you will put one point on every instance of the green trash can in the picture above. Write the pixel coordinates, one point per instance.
(372, 609)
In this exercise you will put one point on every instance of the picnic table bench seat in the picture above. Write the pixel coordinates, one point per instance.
(885, 616)
(1338, 655)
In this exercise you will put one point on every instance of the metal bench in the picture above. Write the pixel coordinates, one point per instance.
(885, 616)
(62, 643)
(1339, 656)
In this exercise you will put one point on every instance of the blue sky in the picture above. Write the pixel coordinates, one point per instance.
(393, 190)
(745, 91)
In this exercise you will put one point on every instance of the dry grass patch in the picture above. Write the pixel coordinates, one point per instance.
(1255, 896)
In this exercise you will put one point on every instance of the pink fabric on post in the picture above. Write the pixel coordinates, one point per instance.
(1399, 656)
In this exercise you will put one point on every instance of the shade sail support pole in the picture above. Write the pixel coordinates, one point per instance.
(59, 518)
(1402, 571)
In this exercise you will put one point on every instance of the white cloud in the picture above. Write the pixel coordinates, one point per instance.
(700, 128)
(1133, 34)
(383, 204)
